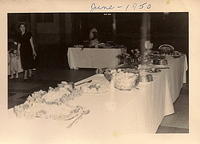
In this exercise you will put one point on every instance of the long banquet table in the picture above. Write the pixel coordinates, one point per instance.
(93, 57)
(123, 112)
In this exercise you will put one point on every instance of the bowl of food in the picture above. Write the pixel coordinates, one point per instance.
(125, 80)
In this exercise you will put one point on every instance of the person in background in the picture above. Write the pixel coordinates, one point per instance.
(93, 37)
(13, 59)
(26, 50)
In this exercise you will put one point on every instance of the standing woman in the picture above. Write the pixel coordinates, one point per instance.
(26, 50)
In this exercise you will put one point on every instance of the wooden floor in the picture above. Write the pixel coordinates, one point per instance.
(19, 90)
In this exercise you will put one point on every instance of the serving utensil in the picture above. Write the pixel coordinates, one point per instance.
(163, 68)
(89, 81)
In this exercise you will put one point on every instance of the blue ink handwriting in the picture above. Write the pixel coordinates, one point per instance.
(126, 7)
(95, 7)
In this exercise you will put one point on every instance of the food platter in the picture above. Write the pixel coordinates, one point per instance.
(153, 70)
(176, 54)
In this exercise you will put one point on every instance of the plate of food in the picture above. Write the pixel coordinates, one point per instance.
(94, 88)
(176, 54)
(153, 70)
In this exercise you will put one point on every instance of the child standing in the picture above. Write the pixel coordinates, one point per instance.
(13, 60)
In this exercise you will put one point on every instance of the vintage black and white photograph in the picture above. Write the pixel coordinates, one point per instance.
(100, 73)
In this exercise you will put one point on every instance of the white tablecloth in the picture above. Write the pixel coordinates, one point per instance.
(137, 110)
(93, 57)
(176, 75)
(115, 112)
(127, 111)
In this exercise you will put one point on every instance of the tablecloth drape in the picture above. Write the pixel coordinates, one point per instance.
(93, 57)
(176, 75)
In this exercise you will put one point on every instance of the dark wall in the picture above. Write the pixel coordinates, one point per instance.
(83, 22)
(170, 28)
(129, 29)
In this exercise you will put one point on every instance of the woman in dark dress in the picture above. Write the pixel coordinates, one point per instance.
(26, 50)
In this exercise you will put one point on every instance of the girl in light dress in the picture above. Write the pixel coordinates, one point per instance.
(13, 61)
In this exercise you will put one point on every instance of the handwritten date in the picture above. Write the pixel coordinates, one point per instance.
(95, 7)
(127, 7)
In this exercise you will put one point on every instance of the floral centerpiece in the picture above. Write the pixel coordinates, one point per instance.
(129, 60)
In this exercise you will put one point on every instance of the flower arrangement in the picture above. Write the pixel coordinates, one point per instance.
(130, 60)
